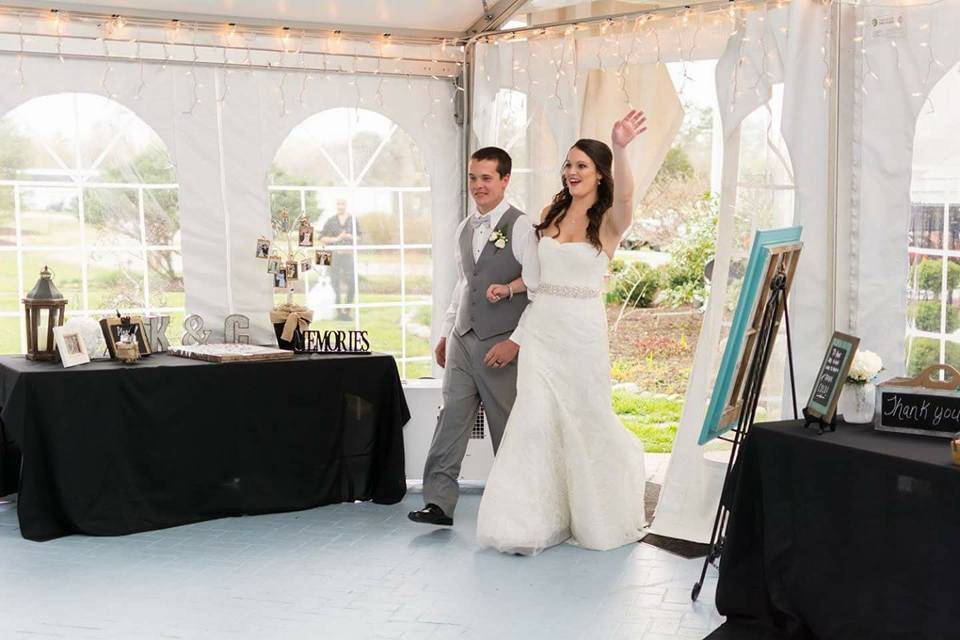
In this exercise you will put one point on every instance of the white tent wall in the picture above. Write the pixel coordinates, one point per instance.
(895, 83)
(223, 151)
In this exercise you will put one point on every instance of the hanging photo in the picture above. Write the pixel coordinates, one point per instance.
(263, 248)
(293, 272)
(306, 233)
(280, 279)
(324, 258)
(305, 265)
(274, 265)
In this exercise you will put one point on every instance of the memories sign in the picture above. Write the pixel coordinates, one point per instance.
(332, 342)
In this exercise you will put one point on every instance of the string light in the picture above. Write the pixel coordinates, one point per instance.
(142, 84)
(558, 63)
(378, 69)
(20, 38)
(231, 32)
(58, 26)
(192, 72)
(107, 70)
(303, 73)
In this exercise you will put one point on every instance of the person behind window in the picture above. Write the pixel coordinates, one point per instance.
(340, 230)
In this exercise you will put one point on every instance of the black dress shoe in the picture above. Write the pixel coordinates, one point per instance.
(431, 514)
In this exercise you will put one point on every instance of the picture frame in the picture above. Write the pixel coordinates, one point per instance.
(305, 233)
(70, 346)
(263, 248)
(280, 279)
(323, 257)
(293, 270)
(114, 326)
(831, 376)
(305, 265)
(771, 250)
(274, 264)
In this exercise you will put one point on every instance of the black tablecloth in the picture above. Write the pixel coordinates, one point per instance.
(112, 449)
(846, 535)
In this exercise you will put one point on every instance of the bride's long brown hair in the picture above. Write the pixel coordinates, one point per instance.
(602, 158)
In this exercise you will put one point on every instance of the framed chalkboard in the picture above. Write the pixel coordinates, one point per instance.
(924, 405)
(825, 394)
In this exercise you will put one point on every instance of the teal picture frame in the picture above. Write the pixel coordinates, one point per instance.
(763, 242)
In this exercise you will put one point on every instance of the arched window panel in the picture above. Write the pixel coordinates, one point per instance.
(933, 234)
(361, 182)
(89, 189)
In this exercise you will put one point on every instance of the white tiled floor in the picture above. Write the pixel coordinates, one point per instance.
(345, 571)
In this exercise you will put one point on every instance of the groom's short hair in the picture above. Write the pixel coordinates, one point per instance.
(504, 163)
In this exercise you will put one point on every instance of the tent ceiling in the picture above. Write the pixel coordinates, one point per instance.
(446, 17)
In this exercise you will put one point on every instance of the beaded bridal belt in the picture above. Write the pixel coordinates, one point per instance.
(566, 292)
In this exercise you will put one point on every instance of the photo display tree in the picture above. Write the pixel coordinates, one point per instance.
(289, 255)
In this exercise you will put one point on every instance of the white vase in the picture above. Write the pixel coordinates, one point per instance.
(856, 402)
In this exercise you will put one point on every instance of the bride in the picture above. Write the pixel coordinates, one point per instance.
(567, 469)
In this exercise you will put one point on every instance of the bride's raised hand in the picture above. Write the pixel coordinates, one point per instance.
(628, 128)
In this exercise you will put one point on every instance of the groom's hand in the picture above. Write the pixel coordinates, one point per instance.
(501, 354)
(441, 352)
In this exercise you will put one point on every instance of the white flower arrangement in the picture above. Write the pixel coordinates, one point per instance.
(498, 238)
(866, 365)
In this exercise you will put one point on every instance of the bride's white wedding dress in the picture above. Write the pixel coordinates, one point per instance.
(566, 468)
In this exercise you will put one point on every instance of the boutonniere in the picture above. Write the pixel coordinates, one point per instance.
(499, 238)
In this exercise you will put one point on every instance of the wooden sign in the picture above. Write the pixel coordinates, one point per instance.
(922, 405)
(831, 377)
(230, 352)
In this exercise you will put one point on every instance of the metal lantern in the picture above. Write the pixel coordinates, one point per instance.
(44, 307)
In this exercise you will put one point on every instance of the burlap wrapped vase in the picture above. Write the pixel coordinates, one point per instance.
(289, 323)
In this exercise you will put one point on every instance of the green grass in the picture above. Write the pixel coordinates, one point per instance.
(655, 438)
(651, 418)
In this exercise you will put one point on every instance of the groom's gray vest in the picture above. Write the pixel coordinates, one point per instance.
(495, 266)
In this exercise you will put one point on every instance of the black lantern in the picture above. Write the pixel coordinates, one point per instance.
(44, 307)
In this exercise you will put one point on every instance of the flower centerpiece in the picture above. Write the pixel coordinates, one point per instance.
(859, 393)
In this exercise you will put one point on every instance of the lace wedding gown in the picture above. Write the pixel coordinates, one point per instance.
(566, 468)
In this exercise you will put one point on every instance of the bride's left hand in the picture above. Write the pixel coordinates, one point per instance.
(625, 130)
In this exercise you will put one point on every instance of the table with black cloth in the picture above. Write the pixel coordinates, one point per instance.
(111, 449)
(850, 534)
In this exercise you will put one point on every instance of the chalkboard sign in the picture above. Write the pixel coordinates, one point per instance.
(922, 405)
(831, 377)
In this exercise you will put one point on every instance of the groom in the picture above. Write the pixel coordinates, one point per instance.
(480, 339)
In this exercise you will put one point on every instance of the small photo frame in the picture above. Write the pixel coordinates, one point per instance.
(70, 345)
(293, 270)
(324, 258)
(274, 265)
(116, 329)
(280, 279)
(263, 248)
(305, 265)
(306, 233)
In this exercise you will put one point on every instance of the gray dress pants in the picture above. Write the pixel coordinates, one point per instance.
(466, 381)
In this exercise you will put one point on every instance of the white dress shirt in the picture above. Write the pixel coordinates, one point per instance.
(523, 238)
